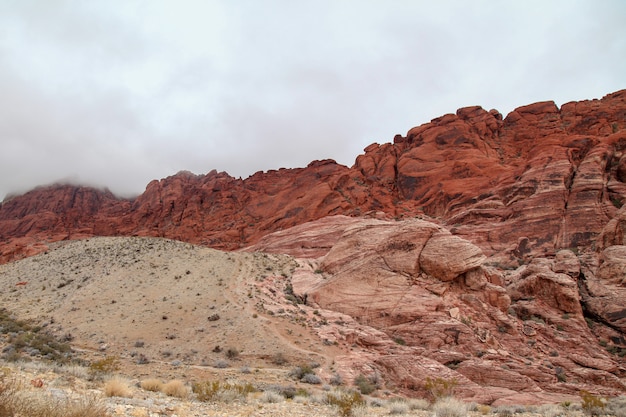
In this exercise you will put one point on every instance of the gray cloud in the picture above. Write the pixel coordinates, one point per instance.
(118, 93)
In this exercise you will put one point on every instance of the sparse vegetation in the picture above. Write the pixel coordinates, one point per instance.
(592, 404)
(221, 364)
(300, 372)
(107, 365)
(439, 387)
(365, 385)
(616, 406)
(220, 391)
(26, 340)
(175, 388)
(450, 407)
(232, 353)
(13, 403)
(117, 387)
(311, 379)
(346, 402)
(271, 397)
(398, 407)
(151, 384)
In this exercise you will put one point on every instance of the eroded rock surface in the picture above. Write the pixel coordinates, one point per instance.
(550, 177)
(504, 336)
(488, 247)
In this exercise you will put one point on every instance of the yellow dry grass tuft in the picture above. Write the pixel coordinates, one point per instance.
(117, 387)
(15, 402)
(176, 388)
(151, 384)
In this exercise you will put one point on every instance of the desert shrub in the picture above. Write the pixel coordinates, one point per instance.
(26, 339)
(78, 371)
(508, 410)
(117, 387)
(311, 379)
(398, 407)
(361, 411)
(346, 402)
(419, 404)
(8, 396)
(279, 359)
(617, 406)
(550, 410)
(335, 380)
(215, 391)
(13, 403)
(221, 364)
(376, 402)
(299, 399)
(175, 388)
(151, 384)
(450, 407)
(300, 371)
(232, 353)
(364, 385)
(105, 366)
(271, 397)
(440, 387)
(591, 404)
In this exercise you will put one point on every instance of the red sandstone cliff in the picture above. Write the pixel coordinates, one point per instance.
(538, 180)
(530, 207)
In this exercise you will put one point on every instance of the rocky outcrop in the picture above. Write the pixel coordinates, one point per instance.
(476, 241)
(549, 178)
(503, 336)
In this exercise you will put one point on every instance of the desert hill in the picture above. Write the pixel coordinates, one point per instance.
(477, 248)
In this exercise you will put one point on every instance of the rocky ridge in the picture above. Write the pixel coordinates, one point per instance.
(541, 179)
(478, 248)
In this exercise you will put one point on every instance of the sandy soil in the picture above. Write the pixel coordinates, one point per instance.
(178, 305)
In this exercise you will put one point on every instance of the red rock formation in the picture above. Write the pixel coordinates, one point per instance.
(520, 229)
(505, 336)
(547, 177)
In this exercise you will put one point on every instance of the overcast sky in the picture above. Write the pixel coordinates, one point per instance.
(115, 93)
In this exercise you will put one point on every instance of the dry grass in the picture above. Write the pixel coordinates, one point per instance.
(176, 388)
(450, 407)
(77, 371)
(418, 404)
(151, 384)
(16, 401)
(617, 406)
(271, 397)
(399, 407)
(117, 387)
(222, 392)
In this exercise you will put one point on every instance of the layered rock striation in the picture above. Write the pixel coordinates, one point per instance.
(432, 305)
(539, 180)
(480, 248)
